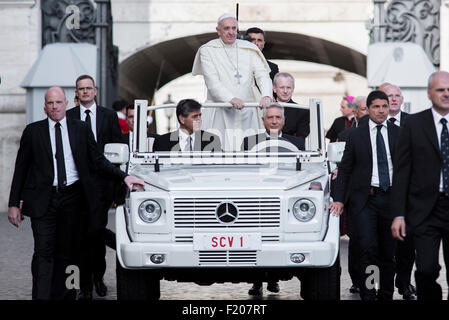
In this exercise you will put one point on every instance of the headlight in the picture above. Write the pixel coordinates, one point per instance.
(149, 211)
(304, 210)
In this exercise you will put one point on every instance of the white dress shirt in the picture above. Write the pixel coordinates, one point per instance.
(93, 117)
(373, 136)
(397, 117)
(183, 140)
(439, 127)
(70, 167)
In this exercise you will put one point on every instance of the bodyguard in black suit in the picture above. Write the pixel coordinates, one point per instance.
(106, 129)
(363, 182)
(188, 137)
(421, 185)
(405, 250)
(361, 117)
(258, 38)
(52, 184)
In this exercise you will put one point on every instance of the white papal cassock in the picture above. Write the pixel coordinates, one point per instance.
(219, 63)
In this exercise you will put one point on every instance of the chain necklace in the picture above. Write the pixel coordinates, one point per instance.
(237, 75)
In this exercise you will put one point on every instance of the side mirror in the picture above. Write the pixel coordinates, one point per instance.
(117, 153)
(335, 151)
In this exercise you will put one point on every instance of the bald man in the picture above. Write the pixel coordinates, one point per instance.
(52, 184)
(395, 99)
(421, 185)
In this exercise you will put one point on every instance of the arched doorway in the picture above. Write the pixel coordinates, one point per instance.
(139, 73)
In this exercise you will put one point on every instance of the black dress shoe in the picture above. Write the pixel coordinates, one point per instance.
(85, 295)
(273, 286)
(354, 289)
(256, 290)
(100, 288)
(408, 293)
(412, 289)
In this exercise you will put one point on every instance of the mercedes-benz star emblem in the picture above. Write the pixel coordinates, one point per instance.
(227, 212)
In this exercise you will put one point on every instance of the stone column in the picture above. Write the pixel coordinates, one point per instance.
(444, 35)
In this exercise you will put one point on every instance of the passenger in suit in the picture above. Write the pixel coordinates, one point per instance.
(53, 185)
(258, 38)
(363, 182)
(421, 185)
(344, 122)
(297, 121)
(106, 129)
(273, 120)
(405, 250)
(188, 137)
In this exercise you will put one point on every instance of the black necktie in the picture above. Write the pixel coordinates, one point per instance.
(445, 156)
(382, 162)
(62, 177)
(392, 120)
(88, 121)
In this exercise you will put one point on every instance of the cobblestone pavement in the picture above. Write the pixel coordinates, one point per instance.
(16, 248)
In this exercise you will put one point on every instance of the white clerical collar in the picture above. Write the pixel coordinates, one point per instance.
(92, 109)
(52, 123)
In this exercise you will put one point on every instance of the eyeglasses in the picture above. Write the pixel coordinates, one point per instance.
(86, 89)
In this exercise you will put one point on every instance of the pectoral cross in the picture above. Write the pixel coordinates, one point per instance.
(238, 76)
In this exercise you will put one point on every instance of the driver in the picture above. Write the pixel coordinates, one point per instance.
(273, 120)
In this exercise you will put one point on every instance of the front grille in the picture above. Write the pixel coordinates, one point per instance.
(256, 212)
(227, 257)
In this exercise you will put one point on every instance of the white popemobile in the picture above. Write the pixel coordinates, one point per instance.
(214, 217)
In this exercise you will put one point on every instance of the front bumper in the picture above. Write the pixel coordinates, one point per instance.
(136, 255)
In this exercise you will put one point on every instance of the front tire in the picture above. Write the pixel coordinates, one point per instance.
(137, 284)
(321, 283)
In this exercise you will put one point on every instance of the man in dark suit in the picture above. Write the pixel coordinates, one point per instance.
(421, 185)
(188, 137)
(363, 182)
(346, 121)
(405, 250)
(273, 120)
(297, 121)
(258, 38)
(106, 129)
(395, 99)
(53, 184)
(361, 116)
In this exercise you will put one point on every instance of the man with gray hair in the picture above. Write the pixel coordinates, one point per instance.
(273, 120)
(231, 69)
(297, 121)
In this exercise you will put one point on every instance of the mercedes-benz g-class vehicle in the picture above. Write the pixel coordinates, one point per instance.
(227, 216)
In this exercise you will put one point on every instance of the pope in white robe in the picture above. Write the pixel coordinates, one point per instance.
(231, 67)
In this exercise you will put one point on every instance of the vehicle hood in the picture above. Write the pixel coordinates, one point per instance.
(228, 178)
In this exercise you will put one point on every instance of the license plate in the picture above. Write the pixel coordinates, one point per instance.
(227, 241)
